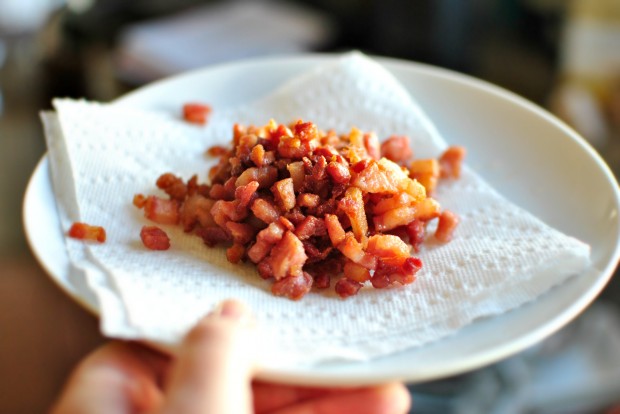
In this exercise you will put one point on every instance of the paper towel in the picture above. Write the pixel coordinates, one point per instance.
(101, 155)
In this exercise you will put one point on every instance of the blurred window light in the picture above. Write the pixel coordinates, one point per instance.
(217, 33)
(80, 6)
(24, 16)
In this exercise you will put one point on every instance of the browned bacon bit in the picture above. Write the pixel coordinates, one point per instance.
(284, 194)
(264, 269)
(265, 210)
(372, 145)
(217, 151)
(287, 257)
(450, 162)
(196, 113)
(389, 273)
(309, 227)
(446, 226)
(396, 148)
(321, 280)
(356, 272)
(173, 186)
(415, 232)
(235, 253)
(308, 207)
(246, 193)
(154, 238)
(293, 287)
(161, 211)
(196, 210)
(83, 231)
(308, 200)
(139, 200)
(346, 287)
(426, 171)
(213, 235)
(339, 172)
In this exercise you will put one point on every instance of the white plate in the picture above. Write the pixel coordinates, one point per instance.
(532, 158)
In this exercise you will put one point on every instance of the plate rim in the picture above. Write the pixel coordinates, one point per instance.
(311, 377)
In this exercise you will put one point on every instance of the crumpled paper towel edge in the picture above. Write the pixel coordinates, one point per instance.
(85, 275)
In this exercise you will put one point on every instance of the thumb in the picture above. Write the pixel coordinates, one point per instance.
(212, 373)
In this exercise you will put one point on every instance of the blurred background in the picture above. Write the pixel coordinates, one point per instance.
(563, 55)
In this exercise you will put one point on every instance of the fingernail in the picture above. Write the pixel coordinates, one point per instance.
(230, 309)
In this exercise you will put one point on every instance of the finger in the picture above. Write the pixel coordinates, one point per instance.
(118, 377)
(214, 365)
(268, 397)
(384, 399)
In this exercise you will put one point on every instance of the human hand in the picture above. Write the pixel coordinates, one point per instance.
(211, 374)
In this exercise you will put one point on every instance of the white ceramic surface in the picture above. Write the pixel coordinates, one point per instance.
(528, 155)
